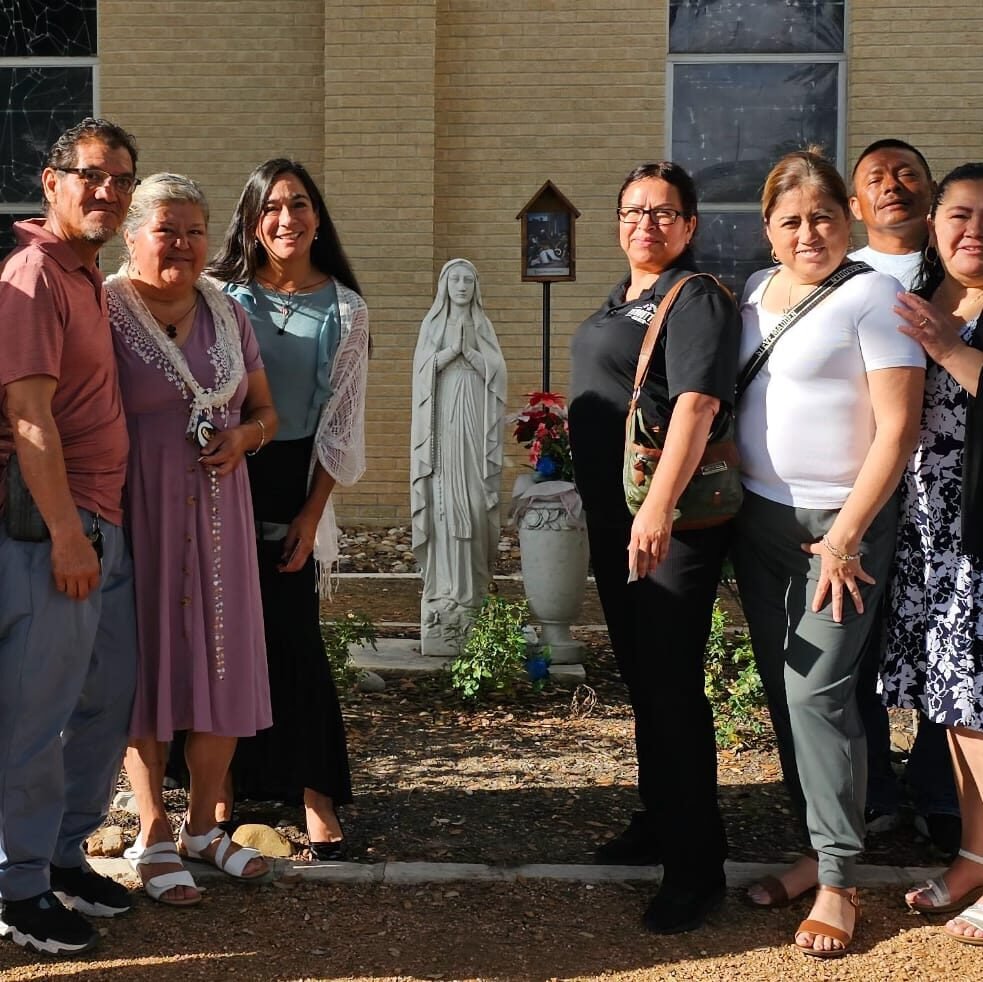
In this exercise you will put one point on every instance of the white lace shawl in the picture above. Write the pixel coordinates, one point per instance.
(140, 331)
(339, 442)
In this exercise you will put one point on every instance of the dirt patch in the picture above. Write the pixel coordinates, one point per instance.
(542, 778)
(539, 779)
(534, 932)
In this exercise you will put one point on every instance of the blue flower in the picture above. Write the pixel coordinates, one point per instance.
(537, 668)
(546, 467)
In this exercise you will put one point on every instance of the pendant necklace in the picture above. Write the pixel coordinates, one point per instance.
(791, 287)
(170, 329)
(285, 306)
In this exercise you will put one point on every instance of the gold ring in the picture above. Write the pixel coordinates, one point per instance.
(923, 322)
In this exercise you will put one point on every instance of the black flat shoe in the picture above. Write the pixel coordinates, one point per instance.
(327, 852)
(635, 846)
(683, 907)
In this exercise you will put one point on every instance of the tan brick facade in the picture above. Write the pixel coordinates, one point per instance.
(432, 122)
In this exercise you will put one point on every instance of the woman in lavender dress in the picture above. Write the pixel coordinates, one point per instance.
(196, 400)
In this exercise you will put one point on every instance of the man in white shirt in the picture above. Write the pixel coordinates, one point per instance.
(892, 193)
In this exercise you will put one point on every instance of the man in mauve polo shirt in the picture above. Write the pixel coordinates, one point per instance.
(67, 633)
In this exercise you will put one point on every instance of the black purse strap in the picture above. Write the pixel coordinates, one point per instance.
(763, 352)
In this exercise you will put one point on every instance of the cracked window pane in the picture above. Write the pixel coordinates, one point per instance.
(732, 246)
(731, 122)
(56, 28)
(36, 106)
(755, 26)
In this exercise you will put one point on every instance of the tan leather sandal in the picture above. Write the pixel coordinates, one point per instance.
(828, 930)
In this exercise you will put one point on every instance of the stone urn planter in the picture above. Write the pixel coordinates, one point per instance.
(554, 554)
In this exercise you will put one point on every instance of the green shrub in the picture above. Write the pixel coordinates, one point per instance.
(493, 655)
(338, 634)
(732, 685)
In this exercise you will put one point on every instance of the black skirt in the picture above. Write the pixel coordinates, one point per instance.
(306, 746)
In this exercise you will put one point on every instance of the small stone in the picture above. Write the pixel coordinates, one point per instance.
(107, 841)
(266, 840)
(400, 568)
(370, 682)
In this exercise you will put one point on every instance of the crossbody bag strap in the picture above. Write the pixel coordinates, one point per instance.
(656, 320)
(763, 352)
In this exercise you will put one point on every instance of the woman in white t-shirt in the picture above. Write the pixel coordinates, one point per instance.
(824, 429)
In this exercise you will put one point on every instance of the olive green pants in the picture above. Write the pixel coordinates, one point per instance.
(809, 666)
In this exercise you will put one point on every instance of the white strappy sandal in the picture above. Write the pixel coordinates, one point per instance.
(942, 899)
(973, 916)
(224, 858)
(162, 854)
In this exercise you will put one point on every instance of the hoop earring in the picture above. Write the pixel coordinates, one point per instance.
(774, 258)
(931, 255)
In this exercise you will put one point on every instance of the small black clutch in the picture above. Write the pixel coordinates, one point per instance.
(24, 521)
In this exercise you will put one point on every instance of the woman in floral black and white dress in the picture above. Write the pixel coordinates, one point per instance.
(933, 659)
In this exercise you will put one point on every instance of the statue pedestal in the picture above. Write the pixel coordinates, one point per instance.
(442, 631)
(554, 555)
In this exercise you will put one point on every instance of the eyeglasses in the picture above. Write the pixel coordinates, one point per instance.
(663, 217)
(95, 178)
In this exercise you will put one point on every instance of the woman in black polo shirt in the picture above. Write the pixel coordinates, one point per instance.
(659, 625)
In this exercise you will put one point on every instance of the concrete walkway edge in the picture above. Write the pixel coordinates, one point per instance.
(288, 871)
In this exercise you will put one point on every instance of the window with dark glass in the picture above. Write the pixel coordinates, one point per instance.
(750, 80)
(48, 66)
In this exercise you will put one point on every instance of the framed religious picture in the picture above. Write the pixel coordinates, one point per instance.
(548, 237)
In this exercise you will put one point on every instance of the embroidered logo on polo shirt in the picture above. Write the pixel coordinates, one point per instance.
(642, 313)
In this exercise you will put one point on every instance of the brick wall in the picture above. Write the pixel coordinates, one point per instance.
(212, 89)
(379, 171)
(916, 73)
(432, 122)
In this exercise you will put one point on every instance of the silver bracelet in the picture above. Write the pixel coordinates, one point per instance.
(262, 436)
(843, 557)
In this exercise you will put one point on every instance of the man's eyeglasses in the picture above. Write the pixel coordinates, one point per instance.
(663, 217)
(95, 178)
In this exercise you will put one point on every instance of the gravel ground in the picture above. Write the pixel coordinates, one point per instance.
(532, 932)
(540, 779)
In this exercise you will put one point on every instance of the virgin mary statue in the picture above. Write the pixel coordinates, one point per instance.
(459, 390)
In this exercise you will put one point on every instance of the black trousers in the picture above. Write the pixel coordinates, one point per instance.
(659, 628)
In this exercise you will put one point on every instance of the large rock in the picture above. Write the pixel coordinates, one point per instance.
(107, 841)
(371, 682)
(267, 841)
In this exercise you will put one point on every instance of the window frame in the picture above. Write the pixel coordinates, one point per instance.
(32, 208)
(837, 58)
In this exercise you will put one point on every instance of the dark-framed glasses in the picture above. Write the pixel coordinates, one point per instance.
(663, 217)
(96, 178)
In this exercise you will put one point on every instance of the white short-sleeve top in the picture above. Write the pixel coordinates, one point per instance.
(805, 424)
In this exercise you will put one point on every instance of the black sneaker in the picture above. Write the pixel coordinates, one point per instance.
(82, 889)
(42, 924)
(635, 846)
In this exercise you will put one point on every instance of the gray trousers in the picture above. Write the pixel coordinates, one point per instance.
(67, 674)
(809, 665)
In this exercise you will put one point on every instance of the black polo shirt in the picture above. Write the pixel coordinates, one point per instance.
(697, 352)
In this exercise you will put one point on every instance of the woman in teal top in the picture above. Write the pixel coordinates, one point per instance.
(282, 260)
